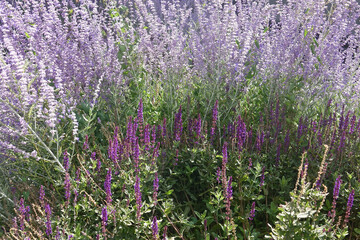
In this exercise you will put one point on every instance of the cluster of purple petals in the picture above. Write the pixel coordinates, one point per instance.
(252, 212)
(48, 220)
(155, 229)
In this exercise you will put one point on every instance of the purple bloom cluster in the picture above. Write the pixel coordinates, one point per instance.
(252, 212)
(67, 187)
(336, 190)
(349, 206)
(48, 220)
(155, 229)
(66, 161)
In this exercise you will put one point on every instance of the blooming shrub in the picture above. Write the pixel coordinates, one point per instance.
(179, 119)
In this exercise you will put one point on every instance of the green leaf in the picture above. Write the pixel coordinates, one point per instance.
(169, 192)
(237, 43)
(305, 32)
(257, 44)
(27, 35)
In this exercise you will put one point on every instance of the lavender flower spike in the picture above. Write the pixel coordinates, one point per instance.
(138, 197)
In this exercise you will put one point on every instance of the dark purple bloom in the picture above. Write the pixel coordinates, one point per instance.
(104, 219)
(252, 212)
(107, 186)
(67, 187)
(138, 197)
(335, 197)
(147, 137)
(48, 220)
(22, 213)
(178, 126)
(349, 206)
(155, 229)
(225, 154)
(66, 161)
(93, 155)
(86, 143)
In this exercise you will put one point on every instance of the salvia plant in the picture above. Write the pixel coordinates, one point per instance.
(178, 119)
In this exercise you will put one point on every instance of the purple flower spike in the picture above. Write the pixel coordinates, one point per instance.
(66, 161)
(48, 220)
(336, 190)
(155, 229)
(107, 187)
(349, 206)
(67, 187)
(104, 219)
(178, 127)
(252, 212)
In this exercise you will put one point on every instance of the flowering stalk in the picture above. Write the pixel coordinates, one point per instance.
(252, 212)
(67, 187)
(332, 213)
(349, 206)
(178, 126)
(155, 229)
(48, 220)
(104, 218)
